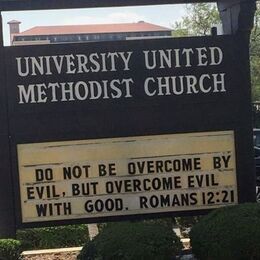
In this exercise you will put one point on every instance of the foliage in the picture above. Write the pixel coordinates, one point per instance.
(255, 77)
(10, 249)
(199, 21)
(53, 237)
(256, 115)
(185, 222)
(202, 17)
(228, 233)
(167, 222)
(255, 56)
(255, 34)
(133, 240)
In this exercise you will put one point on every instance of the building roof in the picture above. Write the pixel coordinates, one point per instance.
(94, 28)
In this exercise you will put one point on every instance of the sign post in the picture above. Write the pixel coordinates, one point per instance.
(7, 211)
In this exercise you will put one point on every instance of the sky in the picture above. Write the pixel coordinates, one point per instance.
(164, 15)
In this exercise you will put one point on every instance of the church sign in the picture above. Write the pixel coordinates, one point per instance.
(134, 128)
(107, 131)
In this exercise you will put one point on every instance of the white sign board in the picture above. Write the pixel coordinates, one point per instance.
(126, 176)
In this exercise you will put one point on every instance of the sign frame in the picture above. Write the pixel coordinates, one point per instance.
(27, 135)
(11, 5)
(237, 19)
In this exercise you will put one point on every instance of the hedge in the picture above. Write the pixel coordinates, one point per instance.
(228, 233)
(53, 237)
(10, 249)
(131, 241)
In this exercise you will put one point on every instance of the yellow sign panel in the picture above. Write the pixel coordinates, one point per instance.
(126, 176)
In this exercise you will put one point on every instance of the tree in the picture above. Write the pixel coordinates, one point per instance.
(255, 35)
(202, 17)
(199, 21)
(255, 56)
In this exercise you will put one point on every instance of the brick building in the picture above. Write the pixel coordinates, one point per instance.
(85, 33)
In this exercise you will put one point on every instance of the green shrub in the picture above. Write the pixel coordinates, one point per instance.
(228, 233)
(186, 222)
(29, 238)
(53, 237)
(10, 249)
(138, 240)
